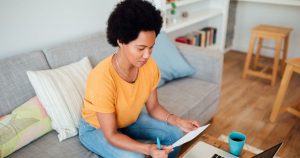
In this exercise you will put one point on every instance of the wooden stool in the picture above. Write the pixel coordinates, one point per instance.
(293, 65)
(260, 32)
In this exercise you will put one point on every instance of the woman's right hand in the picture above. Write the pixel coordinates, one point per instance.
(163, 153)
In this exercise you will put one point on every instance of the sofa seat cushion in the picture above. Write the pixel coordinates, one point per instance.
(49, 146)
(190, 98)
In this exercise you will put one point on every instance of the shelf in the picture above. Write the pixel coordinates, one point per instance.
(278, 2)
(213, 47)
(193, 18)
(183, 3)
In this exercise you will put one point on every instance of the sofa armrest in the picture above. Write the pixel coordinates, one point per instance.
(208, 63)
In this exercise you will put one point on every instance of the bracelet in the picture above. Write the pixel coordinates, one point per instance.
(167, 118)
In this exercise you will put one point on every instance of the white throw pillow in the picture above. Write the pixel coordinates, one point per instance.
(61, 92)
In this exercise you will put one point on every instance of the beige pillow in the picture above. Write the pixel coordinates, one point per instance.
(61, 91)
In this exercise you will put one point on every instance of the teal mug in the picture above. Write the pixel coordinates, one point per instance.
(236, 142)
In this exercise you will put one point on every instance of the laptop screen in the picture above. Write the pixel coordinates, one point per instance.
(269, 153)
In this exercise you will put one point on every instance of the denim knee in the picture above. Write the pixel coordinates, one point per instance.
(175, 134)
(178, 133)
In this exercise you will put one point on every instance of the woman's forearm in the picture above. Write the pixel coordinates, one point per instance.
(160, 113)
(124, 142)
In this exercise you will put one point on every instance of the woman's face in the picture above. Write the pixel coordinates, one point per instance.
(139, 51)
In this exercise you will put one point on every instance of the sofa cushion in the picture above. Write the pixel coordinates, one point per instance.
(49, 146)
(94, 46)
(61, 92)
(15, 88)
(25, 124)
(189, 98)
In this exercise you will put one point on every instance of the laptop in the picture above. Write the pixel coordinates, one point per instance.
(204, 150)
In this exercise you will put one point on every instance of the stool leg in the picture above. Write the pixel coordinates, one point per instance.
(257, 54)
(276, 61)
(281, 92)
(285, 49)
(249, 55)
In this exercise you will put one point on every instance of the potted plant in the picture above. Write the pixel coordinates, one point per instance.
(173, 10)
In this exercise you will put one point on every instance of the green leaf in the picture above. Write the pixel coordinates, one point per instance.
(173, 5)
(173, 11)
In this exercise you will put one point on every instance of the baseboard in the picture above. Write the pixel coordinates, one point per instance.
(227, 49)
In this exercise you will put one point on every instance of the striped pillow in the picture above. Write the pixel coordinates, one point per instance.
(61, 92)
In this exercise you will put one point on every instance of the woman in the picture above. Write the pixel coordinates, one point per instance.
(120, 85)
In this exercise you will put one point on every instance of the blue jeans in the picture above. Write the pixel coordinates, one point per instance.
(145, 128)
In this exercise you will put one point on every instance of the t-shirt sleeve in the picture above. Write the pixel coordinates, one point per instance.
(101, 95)
(155, 74)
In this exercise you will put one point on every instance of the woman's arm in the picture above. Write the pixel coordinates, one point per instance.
(156, 110)
(159, 112)
(109, 128)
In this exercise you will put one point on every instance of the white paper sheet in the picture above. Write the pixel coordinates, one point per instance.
(189, 136)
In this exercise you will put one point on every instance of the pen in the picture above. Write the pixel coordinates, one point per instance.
(158, 143)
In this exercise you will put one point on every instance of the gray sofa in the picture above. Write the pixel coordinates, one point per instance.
(195, 97)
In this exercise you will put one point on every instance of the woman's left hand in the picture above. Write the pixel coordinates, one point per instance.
(187, 125)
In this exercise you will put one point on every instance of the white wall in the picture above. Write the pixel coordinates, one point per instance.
(27, 25)
(250, 14)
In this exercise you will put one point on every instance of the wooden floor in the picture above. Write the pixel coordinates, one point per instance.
(246, 105)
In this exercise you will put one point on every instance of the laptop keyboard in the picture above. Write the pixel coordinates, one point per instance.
(217, 156)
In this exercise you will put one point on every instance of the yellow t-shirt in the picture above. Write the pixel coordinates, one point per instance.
(107, 92)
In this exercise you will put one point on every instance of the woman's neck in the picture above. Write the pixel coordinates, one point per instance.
(123, 67)
(123, 62)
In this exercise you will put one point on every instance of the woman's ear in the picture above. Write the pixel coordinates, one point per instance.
(119, 43)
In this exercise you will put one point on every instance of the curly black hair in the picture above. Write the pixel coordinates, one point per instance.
(129, 18)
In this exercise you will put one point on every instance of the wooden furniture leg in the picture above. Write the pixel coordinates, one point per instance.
(281, 92)
(285, 50)
(257, 54)
(249, 55)
(276, 61)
